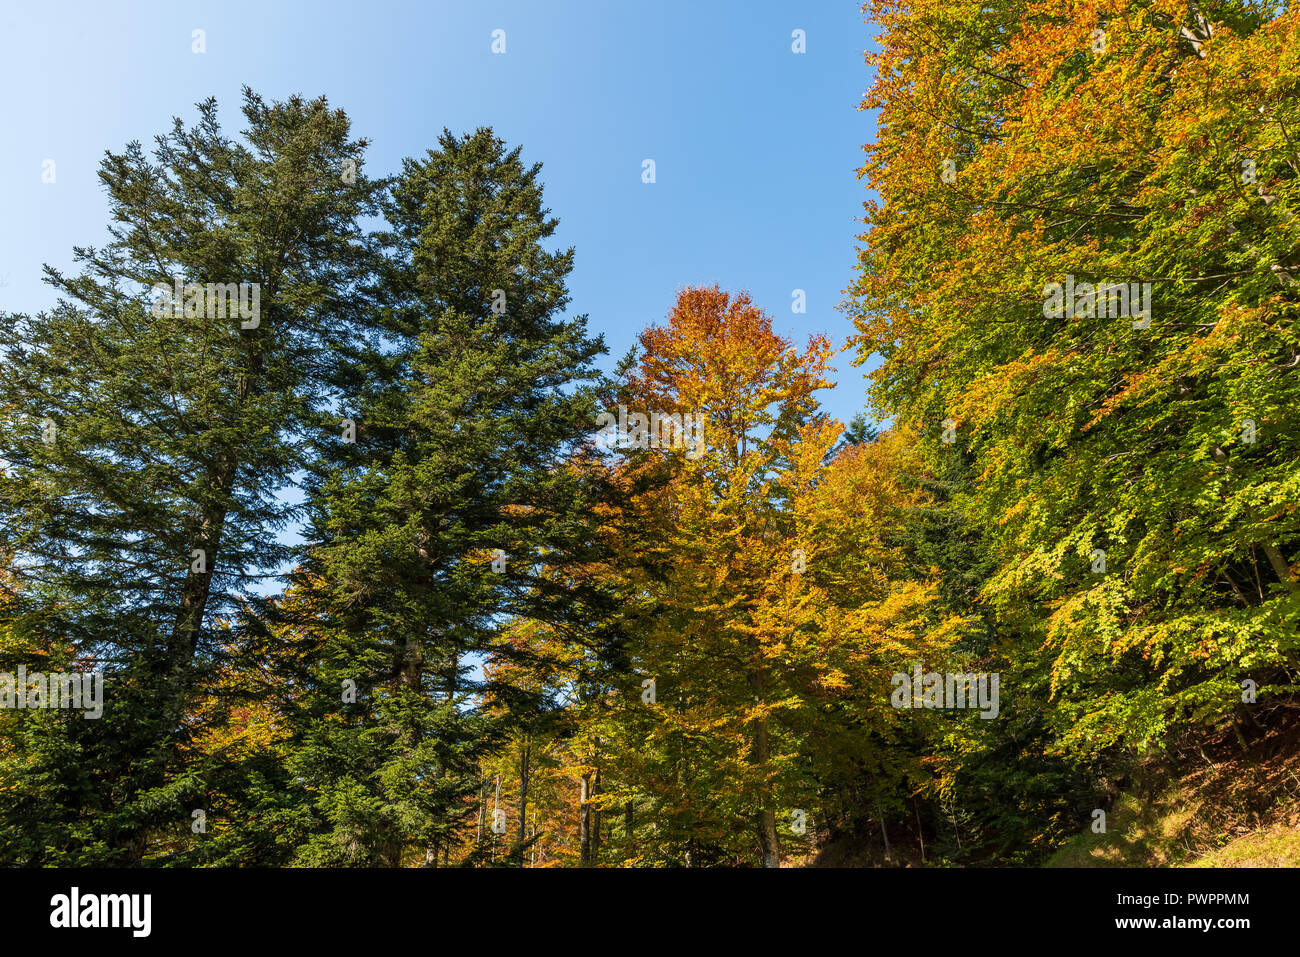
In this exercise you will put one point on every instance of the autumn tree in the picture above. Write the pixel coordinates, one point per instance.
(1078, 273)
(699, 545)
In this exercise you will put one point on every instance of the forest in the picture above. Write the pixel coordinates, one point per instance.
(375, 564)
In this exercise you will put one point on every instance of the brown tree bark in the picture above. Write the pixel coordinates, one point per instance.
(584, 820)
(769, 846)
(525, 775)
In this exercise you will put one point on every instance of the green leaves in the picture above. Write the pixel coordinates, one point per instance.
(1091, 432)
(178, 428)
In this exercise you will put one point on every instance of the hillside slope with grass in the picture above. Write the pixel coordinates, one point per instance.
(1211, 804)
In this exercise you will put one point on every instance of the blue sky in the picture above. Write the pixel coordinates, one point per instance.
(755, 146)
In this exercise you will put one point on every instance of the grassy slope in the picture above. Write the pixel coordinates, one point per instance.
(1224, 809)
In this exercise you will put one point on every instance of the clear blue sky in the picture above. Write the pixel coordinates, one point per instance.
(755, 146)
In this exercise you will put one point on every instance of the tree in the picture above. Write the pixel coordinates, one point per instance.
(1133, 470)
(437, 525)
(153, 432)
(700, 535)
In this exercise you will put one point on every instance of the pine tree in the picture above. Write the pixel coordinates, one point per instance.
(436, 525)
(152, 434)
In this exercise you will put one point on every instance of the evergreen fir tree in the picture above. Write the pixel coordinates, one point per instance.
(151, 435)
(452, 509)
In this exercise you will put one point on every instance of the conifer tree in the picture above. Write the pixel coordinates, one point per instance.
(157, 411)
(435, 525)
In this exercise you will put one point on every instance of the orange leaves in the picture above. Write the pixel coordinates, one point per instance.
(718, 354)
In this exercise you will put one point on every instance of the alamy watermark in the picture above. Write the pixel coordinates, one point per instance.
(1103, 300)
(83, 690)
(953, 690)
(213, 300)
(658, 430)
(75, 909)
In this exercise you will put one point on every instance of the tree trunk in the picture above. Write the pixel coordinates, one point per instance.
(1280, 567)
(482, 808)
(525, 773)
(920, 832)
(584, 821)
(884, 834)
(177, 662)
(595, 817)
(410, 665)
(769, 846)
(496, 805)
(194, 598)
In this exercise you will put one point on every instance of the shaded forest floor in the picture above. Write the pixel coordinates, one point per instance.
(1204, 803)
(1209, 805)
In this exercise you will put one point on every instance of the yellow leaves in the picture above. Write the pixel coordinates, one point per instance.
(247, 730)
(988, 395)
(834, 680)
(718, 355)
(739, 631)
